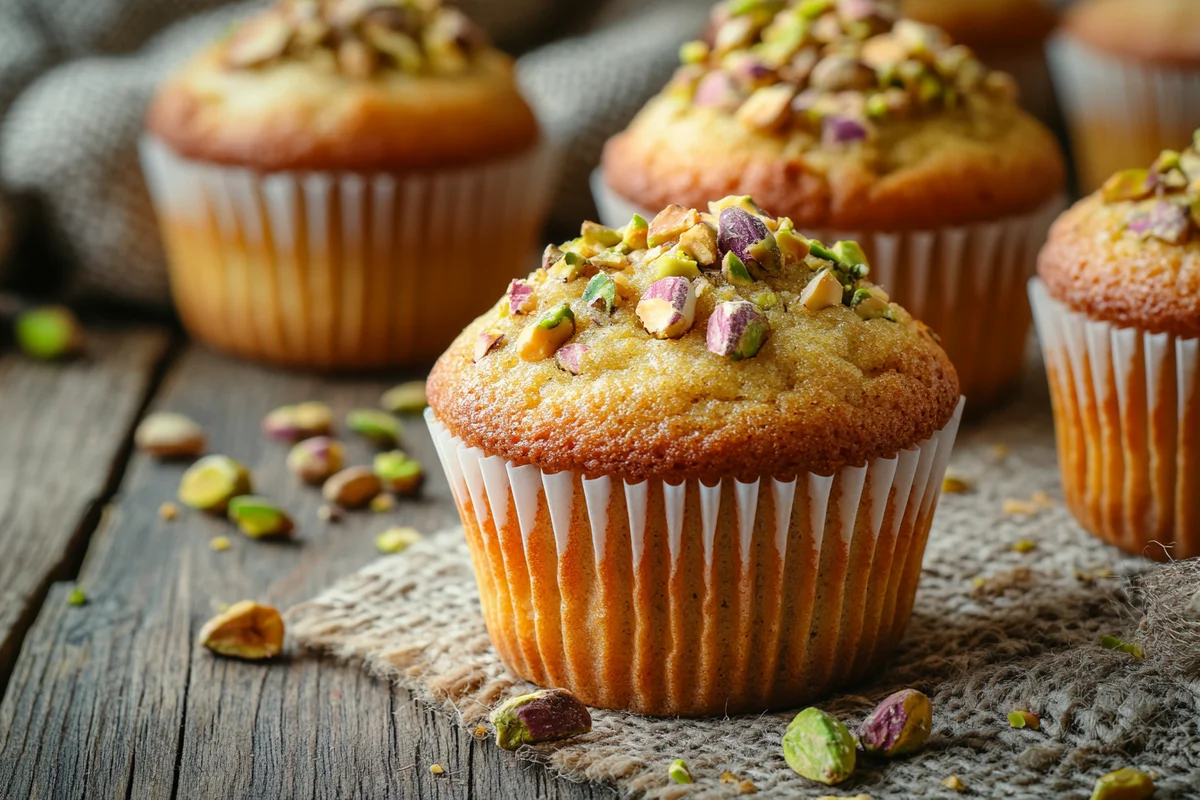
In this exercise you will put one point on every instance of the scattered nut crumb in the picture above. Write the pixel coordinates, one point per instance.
(480, 732)
(1042, 499)
(329, 513)
(220, 543)
(1109, 642)
(728, 777)
(436, 769)
(1019, 578)
(678, 772)
(1013, 507)
(999, 451)
(954, 782)
(952, 484)
(747, 787)
(1024, 546)
(1024, 719)
(77, 597)
(382, 503)
(978, 582)
(1085, 578)
(394, 540)
(168, 511)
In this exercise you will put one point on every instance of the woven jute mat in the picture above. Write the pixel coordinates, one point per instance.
(993, 630)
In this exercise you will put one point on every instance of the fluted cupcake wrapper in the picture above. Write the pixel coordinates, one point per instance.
(692, 599)
(967, 283)
(343, 270)
(1122, 112)
(1127, 422)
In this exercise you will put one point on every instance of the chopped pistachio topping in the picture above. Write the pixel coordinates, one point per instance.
(835, 69)
(1164, 200)
(358, 38)
(1024, 719)
(1113, 643)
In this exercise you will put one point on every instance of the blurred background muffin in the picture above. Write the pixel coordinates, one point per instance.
(325, 176)
(1007, 35)
(701, 422)
(860, 125)
(1128, 74)
(1118, 312)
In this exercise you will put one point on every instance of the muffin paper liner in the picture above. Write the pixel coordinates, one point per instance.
(691, 599)
(966, 283)
(1127, 421)
(1121, 113)
(343, 269)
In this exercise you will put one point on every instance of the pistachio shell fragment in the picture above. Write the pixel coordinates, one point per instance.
(737, 330)
(398, 473)
(165, 434)
(668, 308)
(542, 337)
(899, 725)
(301, 421)
(378, 427)
(353, 487)
(541, 716)
(259, 518)
(245, 630)
(212, 482)
(49, 333)
(818, 746)
(406, 398)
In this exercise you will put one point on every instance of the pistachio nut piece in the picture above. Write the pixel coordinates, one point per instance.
(378, 427)
(398, 473)
(736, 330)
(551, 330)
(395, 540)
(353, 487)
(165, 434)
(670, 223)
(541, 716)
(636, 233)
(485, 342)
(700, 243)
(245, 630)
(899, 725)
(601, 292)
(823, 291)
(49, 333)
(313, 460)
(674, 263)
(570, 357)
(212, 482)
(520, 297)
(668, 308)
(1123, 784)
(259, 518)
(818, 746)
(741, 232)
(406, 398)
(301, 421)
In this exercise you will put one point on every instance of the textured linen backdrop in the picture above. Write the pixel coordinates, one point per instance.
(76, 76)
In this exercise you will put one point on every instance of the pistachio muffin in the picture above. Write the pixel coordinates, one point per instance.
(314, 167)
(1129, 77)
(860, 125)
(1118, 312)
(1008, 35)
(697, 459)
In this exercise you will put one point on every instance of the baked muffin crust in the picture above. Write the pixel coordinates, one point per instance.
(341, 104)
(826, 389)
(988, 26)
(1162, 31)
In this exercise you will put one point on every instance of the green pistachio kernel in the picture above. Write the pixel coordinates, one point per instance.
(694, 52)
(1128, 184)
(636, 232)
(678, 772)
(49, 333)
(1123, 784)
(599, 236)
(378, 427)
(77, 597)
(811, 9)
(601, 292)
(569, 266)
(674, 264)
(792, 246)
(398, 473)
(766, 300)
(396, 540)
(551, 330)
(849, 253)
(612, 257)
(258, 517)
(406, 398)
(211, 482)
(819, 747)
(1113, 643)
(735, 271)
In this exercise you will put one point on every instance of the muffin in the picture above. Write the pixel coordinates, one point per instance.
(1008, 35)
(1128, 74)
(859, 126)
(314, 168)
(1118, 314)
(697, 461)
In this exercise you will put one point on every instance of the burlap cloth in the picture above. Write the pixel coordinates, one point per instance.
(993, 630)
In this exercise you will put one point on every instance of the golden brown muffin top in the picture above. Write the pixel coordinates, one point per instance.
(988, 26)
(347, 84)
(1130, 253)
(1165, 31)
(698, 345)
(838, 115)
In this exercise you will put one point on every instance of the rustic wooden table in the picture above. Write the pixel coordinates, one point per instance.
(115, 698)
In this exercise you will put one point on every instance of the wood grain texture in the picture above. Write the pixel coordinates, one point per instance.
(116, 698)
(63, 429)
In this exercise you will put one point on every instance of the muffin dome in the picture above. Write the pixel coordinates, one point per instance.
(701, 345)
(1130, 254)
(1165, 31)
(988, 26)
(346, 85)
(838, 115)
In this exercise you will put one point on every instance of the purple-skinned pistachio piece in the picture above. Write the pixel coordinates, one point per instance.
(601, 292)
(520, 297)
(1166, 221)
(541, 716)
(570, 357)
(719, 91)
(313, 460)
(746, 235)
(668, 308)
(737, 329)
(301, 421)
(485, 342)
(898, 726)
(841, 130)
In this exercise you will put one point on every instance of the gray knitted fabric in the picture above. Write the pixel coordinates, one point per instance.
(76, 76)
(993, 630)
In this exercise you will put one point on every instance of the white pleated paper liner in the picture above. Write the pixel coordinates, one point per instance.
(1121, 112)
(343, 270)
(967, 283)
(1127, 420)
(692, 599)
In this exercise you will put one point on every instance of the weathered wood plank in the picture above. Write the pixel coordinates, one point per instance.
(63, 428)
(117, 696)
